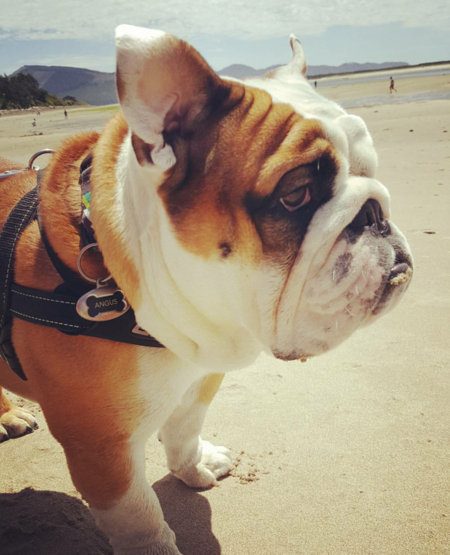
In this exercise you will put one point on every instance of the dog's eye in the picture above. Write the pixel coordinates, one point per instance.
(296, 199)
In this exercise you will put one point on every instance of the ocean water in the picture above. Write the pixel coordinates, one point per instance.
(379, 99)
(376, 77)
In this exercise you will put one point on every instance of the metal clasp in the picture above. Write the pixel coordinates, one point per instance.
(104, 302)
(9, 173)
(80, 268)
(36, 155)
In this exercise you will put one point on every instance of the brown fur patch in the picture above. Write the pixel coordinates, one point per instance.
(103, 209)
(89, 393)
(87, 387)
(246, 149)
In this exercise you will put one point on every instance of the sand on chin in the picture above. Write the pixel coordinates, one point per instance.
(346, 454)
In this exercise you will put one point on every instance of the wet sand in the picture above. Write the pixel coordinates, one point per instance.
(352, 93)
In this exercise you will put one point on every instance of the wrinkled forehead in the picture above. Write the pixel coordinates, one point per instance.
(347, 133)
(246, 150)
(298, 93)
(260, 140)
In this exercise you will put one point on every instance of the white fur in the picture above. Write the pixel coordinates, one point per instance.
(311, 301)
(197, 462)
(195, 321)
(297, 318)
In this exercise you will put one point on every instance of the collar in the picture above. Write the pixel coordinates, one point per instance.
(87, 230)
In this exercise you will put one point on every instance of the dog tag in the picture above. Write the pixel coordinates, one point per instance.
(102, 304)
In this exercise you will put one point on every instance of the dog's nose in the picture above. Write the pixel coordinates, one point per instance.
(370, 214)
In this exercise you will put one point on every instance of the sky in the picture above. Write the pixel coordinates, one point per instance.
(251, 32)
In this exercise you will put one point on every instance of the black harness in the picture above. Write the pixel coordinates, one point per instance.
(55, 309)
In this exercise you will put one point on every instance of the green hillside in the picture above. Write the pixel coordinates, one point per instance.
(94, 87)
(22, 91)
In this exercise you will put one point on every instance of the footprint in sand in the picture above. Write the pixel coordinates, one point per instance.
(247, 468)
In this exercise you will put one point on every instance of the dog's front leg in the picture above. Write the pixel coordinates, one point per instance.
(197, 462)
(111, 478)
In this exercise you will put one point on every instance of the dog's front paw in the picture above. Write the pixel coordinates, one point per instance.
(16, 422)
(215, 462)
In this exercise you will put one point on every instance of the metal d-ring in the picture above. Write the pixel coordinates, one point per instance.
(36, 155)
(80, 269)
(9, 173)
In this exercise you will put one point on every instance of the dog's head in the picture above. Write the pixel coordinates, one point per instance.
(257, 214)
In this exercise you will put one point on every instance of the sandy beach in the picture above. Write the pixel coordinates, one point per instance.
(346, 454)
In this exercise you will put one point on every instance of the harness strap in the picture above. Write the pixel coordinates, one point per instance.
(58, 310)
(19, 218)
(67, 275)
(47, 309)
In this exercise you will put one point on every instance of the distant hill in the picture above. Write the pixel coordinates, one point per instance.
(240, 71)
(98, 88)
(94, 87)
(22, 91)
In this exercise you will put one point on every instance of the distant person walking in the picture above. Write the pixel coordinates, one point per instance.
(65, 114)
(391, 86)
(315, 84)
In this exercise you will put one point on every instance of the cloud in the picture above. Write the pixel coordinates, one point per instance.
(251, 19)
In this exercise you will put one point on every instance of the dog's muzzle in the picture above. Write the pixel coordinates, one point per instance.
(371, 216)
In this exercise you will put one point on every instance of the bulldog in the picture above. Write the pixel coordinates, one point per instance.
(236, 217)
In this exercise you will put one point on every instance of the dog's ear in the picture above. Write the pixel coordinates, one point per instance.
(298, 61)
(164, 86)
(296, 67)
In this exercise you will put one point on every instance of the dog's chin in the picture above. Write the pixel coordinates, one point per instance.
(362, 279)
(396, 279)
